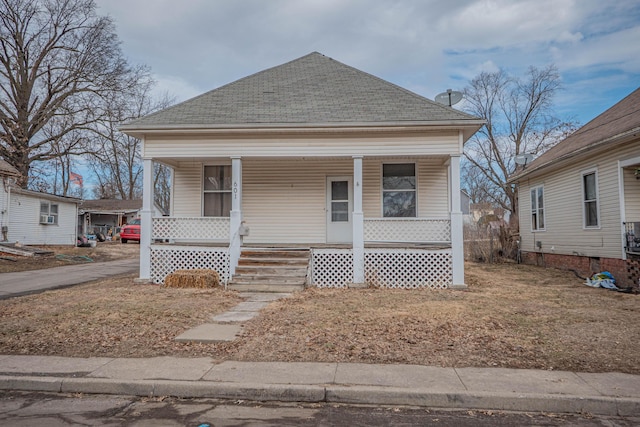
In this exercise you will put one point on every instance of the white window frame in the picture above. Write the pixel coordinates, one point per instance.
(584, 173)
(47, 212)
(537, 227)
(382, 190)
(203, 192)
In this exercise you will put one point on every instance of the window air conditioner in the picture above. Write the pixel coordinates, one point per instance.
(44, 219)
(51, 220)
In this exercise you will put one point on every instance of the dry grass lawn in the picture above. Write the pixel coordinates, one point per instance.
(65, 255)
(512, 316)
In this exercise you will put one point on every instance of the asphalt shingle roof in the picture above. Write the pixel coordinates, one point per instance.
(622, 118)
(313, 89)
(112, 205)
(7, 169)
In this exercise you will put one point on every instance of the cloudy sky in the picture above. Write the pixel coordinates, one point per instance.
(426, 46)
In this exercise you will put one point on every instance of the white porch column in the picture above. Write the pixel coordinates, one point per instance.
(457, 241)
(236, 213)
(145, 221)
(358, 223)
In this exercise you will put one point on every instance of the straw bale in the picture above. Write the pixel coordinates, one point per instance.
(197, 278)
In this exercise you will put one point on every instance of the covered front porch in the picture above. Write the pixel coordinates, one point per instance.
(339, 208)
(629, 179)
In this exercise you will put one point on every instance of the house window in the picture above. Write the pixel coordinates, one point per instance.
(537, 208)
(399, 190)
(217, 191)
(590, 199)
(48, 213)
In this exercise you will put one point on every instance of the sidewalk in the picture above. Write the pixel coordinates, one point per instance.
(28, 282)
(612, 394)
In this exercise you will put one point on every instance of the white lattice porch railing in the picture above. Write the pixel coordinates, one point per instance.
(407, 230)
(190, 228)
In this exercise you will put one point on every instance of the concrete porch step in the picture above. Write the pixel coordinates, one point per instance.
(268, 253)
(289, 270)
(255, 287)
(269, 279)
(271, 270)
(300, 278)
(272, 261)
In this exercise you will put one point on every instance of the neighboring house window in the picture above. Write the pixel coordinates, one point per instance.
(537, 208)
(217, 191)
(399, 190)
(48, 213)
(590, 199)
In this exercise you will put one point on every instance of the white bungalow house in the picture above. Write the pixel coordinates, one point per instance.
(311, 154)
(579, 204)
(34, 218)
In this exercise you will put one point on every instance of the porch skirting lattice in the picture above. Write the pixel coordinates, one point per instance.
(167, 259)
(386, 268)
(330, 268)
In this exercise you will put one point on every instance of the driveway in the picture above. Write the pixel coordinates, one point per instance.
(28, 282)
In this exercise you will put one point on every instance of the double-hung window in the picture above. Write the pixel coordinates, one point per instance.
(48, 213)
(399, 190)
(217, 191)
(537, 208)
(590, 199)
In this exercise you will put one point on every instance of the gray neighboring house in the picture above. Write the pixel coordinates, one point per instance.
(103, 215)
(579, 202)
(311, 154)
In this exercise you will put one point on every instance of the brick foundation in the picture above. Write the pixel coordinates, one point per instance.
(626, 272)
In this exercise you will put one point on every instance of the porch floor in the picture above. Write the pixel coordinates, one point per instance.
(376, 245)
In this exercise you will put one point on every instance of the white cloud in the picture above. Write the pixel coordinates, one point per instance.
(424, 45)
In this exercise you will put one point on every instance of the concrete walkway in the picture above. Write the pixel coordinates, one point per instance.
(612, 394)
(228, 325)
(29, 282)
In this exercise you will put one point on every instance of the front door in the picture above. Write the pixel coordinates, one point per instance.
(339, 208)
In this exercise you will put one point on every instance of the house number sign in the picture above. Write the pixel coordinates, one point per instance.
(235, 189)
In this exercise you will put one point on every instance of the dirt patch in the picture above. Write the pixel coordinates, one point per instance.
(513, 316)
(65, 255)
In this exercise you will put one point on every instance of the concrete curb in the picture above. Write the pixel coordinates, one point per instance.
(309, 393)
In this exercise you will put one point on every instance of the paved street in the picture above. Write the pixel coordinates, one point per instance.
(53, 410)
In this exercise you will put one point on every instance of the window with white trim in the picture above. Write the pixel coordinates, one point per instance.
(399, 190)
(48, 213)
(590, 199)
(217, 191)
(537, 208)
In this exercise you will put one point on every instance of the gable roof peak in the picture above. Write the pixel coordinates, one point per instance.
(312, 89)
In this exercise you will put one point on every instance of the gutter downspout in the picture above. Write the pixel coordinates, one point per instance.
(5, 231)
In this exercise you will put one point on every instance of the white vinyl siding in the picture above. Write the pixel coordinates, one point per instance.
(24, 224)
(563, 198)
(190, 147)
(284, 200)
(631, 195)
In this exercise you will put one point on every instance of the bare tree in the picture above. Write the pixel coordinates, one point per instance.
(520, 119)
(57, 59)
(162, 186)
(115, 158)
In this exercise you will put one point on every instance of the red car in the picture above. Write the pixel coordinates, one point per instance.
(130, 231)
